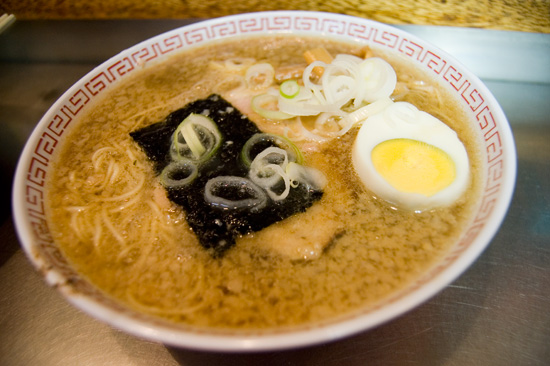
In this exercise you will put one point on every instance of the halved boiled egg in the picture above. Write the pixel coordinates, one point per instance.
(410, 158)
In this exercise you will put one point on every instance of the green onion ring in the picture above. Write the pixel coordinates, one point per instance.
(294, 154)
(201, 139)
(213, 193)
(289, 89)
(170, 176)
(258, 106)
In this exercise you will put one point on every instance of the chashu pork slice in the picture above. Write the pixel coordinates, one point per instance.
(303, 236)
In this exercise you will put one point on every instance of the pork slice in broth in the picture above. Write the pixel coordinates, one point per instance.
(300, 237)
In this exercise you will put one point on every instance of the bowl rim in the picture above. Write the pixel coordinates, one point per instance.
(291, 339)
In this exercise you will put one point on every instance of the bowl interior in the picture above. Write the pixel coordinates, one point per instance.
(481, 107)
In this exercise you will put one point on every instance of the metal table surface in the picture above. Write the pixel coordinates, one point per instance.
(497, 313)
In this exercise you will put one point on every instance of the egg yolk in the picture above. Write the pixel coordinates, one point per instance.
(413, 166)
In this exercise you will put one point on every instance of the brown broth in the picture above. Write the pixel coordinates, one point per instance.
(145, 256)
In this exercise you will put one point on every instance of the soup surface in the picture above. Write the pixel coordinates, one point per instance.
(348, 251)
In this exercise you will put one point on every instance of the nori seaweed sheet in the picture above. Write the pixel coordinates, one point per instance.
(215, 228)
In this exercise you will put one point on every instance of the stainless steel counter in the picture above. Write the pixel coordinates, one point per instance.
(497, 313)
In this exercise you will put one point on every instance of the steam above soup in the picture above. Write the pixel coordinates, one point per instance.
(335, 120)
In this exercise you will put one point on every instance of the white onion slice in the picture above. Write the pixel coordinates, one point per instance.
(260, 173)
(379, 79)
(309, 135)
(267, 170)
(338, 90)
(303, 104)
(259, 103)
(307, 77)
(255, 200)
(294, 154)
(260, 76)
(347, 83)
(278, 171)
(371, 109)
(343, 124)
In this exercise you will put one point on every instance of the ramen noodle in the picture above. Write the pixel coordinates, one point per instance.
(111, 216)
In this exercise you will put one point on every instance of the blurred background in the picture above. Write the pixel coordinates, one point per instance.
(517, 15)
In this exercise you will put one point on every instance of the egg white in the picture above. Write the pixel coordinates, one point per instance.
(403, 120)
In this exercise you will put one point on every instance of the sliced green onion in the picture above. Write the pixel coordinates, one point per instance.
(191, 136)
(260, 141)
(260, 173)
(260, 103)
(289, 89)
(234, 193)
(197, 138)
(277, 170)
(267, 170)
(178, 174)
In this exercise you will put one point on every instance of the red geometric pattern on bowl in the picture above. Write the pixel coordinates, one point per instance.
(474, 97)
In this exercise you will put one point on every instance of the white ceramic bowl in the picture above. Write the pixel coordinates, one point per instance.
(482, 109)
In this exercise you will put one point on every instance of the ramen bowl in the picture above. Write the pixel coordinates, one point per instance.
(482, 110)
